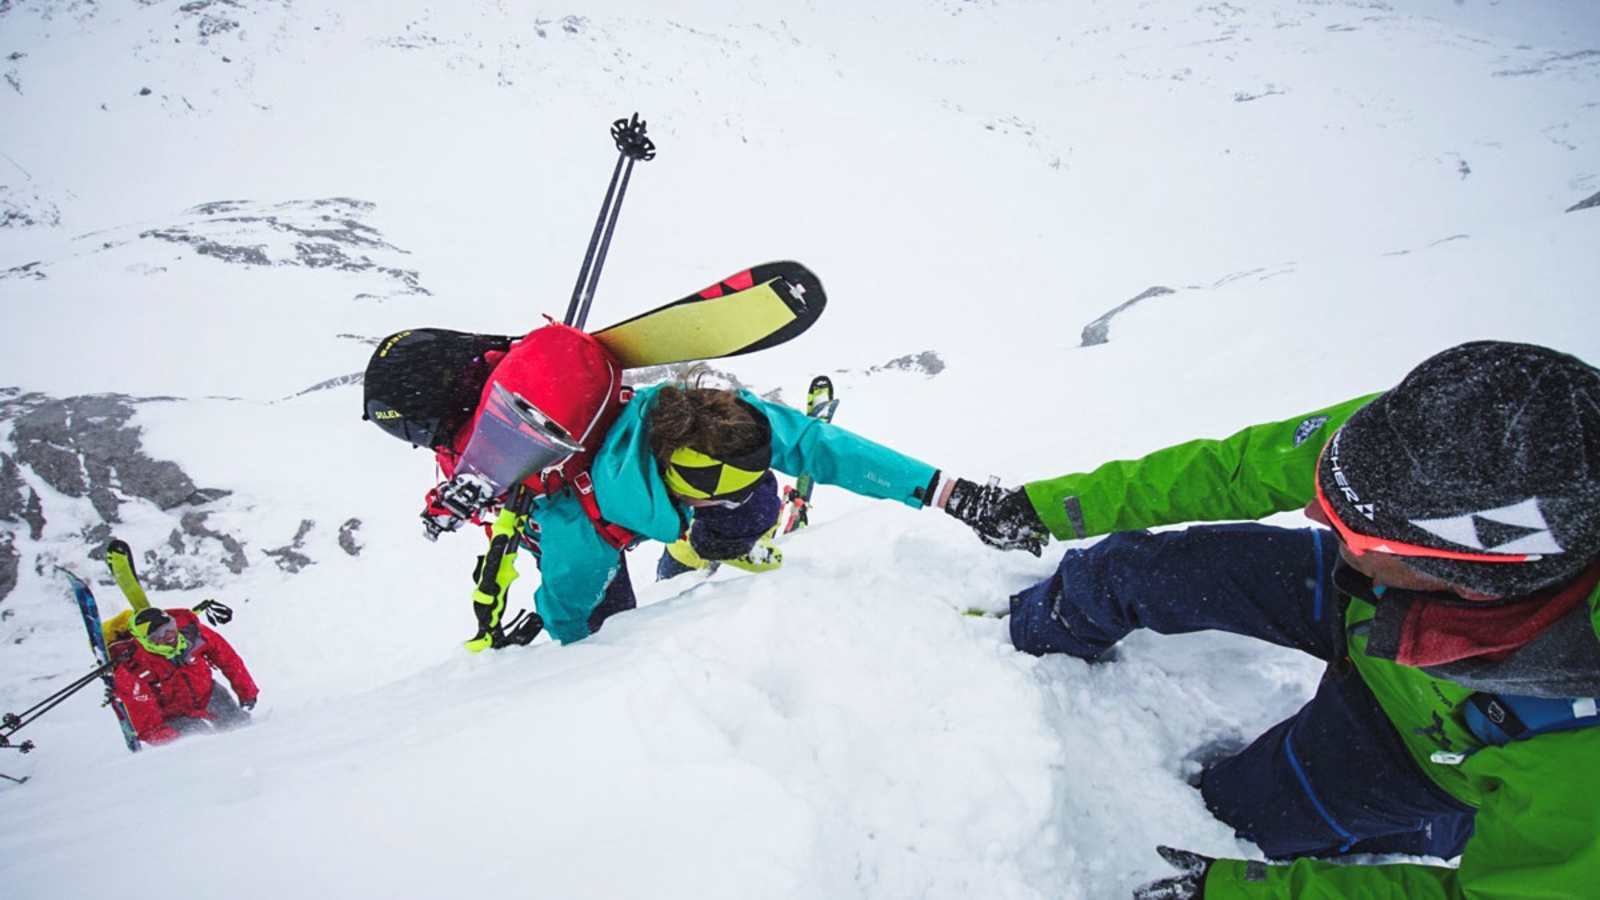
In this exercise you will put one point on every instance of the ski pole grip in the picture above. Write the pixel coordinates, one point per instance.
(629, 136)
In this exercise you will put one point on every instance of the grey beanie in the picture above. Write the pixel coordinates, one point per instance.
(1486, 447)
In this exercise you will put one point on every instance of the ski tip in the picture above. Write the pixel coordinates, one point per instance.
(975, 613)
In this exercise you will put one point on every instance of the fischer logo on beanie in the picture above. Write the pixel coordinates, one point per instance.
(1486, 447)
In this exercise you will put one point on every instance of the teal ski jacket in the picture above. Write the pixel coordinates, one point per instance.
(576, 564)
(1538, 801)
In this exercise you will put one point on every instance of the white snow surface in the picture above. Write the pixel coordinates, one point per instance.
(1333, 190)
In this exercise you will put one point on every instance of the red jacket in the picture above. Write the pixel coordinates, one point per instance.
(156, 689)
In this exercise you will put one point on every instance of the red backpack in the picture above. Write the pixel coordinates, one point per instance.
(574, 381)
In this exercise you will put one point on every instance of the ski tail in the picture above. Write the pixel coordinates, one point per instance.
(760, 307)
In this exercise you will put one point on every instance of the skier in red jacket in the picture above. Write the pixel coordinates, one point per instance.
(165, 680)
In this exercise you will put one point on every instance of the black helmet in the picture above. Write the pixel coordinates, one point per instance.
(422, 385)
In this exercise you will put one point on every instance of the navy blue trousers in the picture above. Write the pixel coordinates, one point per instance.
(1334, 778)
(619, 597)
(719, 532)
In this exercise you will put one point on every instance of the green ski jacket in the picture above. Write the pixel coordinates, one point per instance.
(1538, 801)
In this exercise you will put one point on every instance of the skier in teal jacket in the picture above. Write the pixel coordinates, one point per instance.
(542, 444)
(638, 492)
(1454, 592)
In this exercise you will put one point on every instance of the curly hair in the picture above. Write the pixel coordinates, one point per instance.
(715, 422)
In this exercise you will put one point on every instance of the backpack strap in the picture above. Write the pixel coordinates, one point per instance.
(583, 486)
(1502, 718)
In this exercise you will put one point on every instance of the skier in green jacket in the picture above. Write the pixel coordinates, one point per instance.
(1454, 591)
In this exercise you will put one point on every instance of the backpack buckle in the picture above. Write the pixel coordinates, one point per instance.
(582, 482)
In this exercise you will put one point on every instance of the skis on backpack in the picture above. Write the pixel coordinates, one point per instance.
(97, 642)
(119, 556)
(820, 404)
(759, 307)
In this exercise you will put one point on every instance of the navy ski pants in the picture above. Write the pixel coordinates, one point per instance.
(720, 533)
(619, 596)
(1334, 778)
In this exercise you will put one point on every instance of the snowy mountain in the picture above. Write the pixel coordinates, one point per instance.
(1052, 234)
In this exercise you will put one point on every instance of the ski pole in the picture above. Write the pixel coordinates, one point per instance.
(13, 722)
(22, 780)
(632, 146)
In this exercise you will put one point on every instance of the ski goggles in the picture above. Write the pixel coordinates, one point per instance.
(1361, 544)
(513, 440)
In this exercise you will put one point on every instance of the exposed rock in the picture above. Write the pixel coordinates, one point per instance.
(321, 234)
(83, 446)
(95, 537)
(33, 271)
(1590, 203)
(1098, 331)
(252, 255)
(9, 559)
(928, 362)
(219, 206)
(60, 468)
(18, 501)
(202, 496)
(337, 381)
(289, 558)
(348, 537)
(24, 207)
(194, 524)
(1247, 96)
(193, 550)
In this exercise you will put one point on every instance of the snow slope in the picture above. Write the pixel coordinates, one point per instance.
(1330, 192)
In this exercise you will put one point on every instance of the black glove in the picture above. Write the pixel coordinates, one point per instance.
(522, 630)
(1190, 885)
(1002, 517)
(247, 705)
(217, 612)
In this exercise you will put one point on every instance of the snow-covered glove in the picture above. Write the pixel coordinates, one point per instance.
(1002, 517)
(1190, 884)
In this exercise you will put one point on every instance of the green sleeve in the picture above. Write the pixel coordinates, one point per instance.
(803, 445)
(1537, 837)
(1261, 470)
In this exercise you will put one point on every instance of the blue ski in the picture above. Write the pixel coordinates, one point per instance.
(97, 641)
